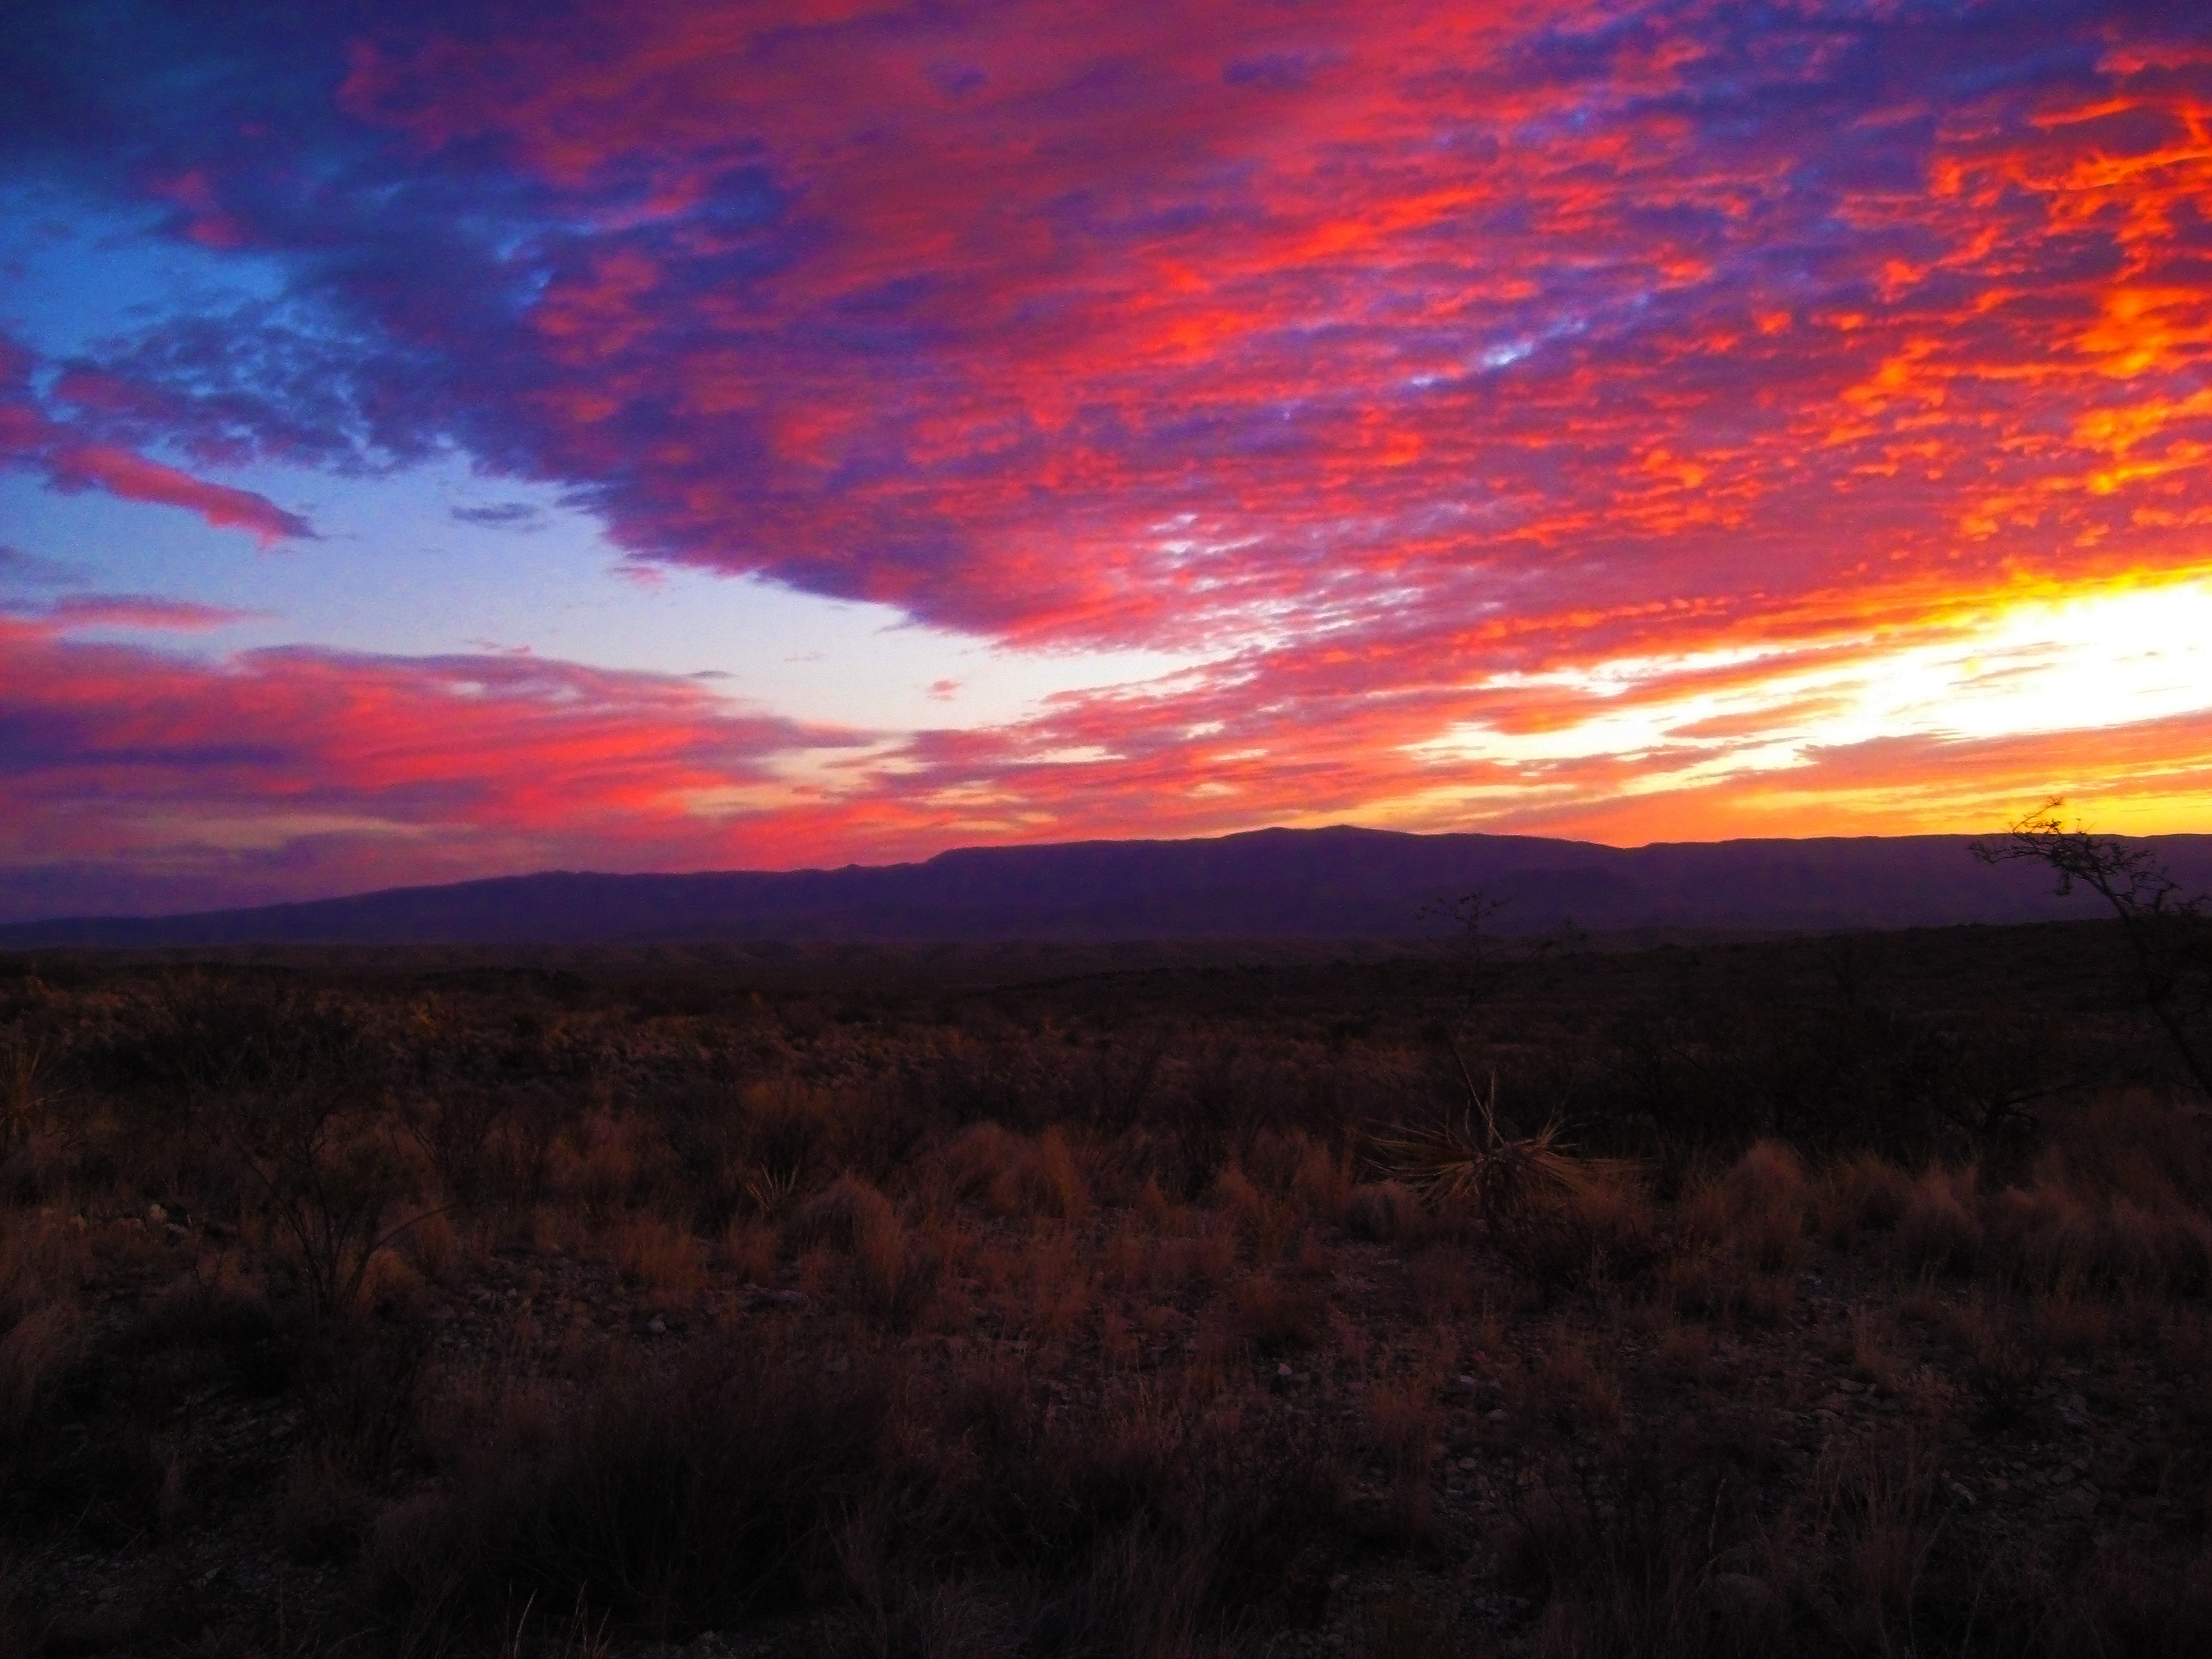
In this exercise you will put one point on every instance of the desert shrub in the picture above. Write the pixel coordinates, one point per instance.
(1386, 1212)
(983, 1164)
(455, 1126)
(323, 1509)
(203, 1032)
(660, 1255)
(749, 1251)
(1213, 1102)
(1626, 1565)
(1662, 1553)
(1143, 1527)
(1321, 1182)
(2050, 1238)
(1240, 1203)
(2135, 1145)
(2003, 1360)
(1606, 1232)
(841, 1217)
(42, 1261)
(1055, 1178)
(670, 1502)
(785, 1124)
(1863, 1194)
(597, 1166)
(35, 1353)
(740, 1485)
(1939, 1231)
(1276, 1317)
(332, 1180)
(891, 1270)
(1008, 1175)
(1757, 1209)
(2068, 1322)
(1568, 1390)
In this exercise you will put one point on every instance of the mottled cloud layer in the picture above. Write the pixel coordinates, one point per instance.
(1554, 414)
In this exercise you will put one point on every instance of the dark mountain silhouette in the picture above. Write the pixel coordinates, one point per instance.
(1341, 882)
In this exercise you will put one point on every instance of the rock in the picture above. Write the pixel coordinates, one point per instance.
(2079, 1504)
(754, 1297)
(1499, 1415)
(658, 1327)
(1960, 1492)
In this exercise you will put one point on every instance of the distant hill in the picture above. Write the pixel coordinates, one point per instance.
(1341, 882)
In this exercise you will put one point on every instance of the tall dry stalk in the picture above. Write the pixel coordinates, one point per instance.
(23, 1096)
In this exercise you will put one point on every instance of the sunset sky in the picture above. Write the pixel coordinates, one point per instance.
(451, 440)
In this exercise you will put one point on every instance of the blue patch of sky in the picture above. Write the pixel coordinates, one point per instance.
(402, 570)
(76, 271)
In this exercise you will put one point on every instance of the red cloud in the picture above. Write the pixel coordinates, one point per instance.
(135, 478)
(71, 462)
(139, 610)
(134, 756)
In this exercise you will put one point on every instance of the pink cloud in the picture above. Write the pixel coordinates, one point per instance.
(139, 610)
(28, 438)
(135, 478)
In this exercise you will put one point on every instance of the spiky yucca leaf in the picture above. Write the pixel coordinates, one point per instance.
(1501, 1175)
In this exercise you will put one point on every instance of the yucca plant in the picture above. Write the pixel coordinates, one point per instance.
(772, 1191)
(1504, 1176)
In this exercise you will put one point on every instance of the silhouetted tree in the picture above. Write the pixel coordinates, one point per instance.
(1469, 918)
(2169, 932)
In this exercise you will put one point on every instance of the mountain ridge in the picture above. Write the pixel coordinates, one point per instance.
(1344, 881)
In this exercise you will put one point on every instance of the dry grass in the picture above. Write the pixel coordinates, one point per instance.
(1017, 1345)
(660, 1256)
(1862, 1194)
(1940, 1231)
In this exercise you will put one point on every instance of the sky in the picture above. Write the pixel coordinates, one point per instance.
(441, 441)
